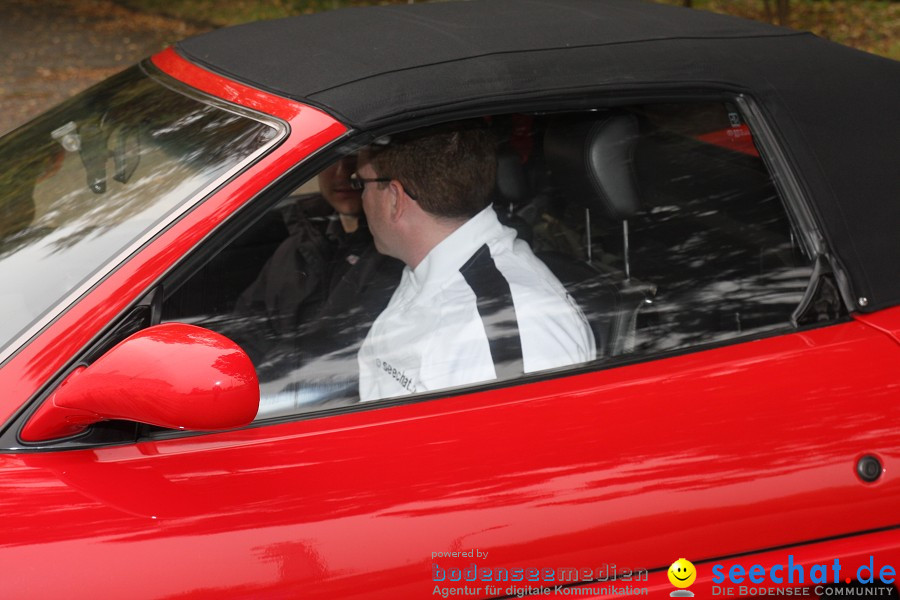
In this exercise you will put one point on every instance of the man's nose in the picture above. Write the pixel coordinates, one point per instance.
(344, 171)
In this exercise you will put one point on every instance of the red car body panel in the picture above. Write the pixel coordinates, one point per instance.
(705, 455)
(887, 321)
(587, 468)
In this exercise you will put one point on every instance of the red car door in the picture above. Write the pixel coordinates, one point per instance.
(706, 455)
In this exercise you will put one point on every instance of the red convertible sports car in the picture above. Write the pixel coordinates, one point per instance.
(222, 377)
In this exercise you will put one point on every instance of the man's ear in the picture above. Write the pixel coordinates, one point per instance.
(399, 199)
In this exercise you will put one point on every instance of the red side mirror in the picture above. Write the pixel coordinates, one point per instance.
(172, 375)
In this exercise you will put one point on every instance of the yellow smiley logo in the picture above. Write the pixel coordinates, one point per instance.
(682, 573)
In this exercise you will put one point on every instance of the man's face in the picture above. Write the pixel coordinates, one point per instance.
(376, 205)
(334, 183)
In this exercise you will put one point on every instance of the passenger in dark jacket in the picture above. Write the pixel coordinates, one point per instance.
(320, 291)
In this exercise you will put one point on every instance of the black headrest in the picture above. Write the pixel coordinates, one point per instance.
(512, 184)
(592, 160)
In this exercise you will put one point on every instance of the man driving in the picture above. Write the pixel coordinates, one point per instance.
(474, 304)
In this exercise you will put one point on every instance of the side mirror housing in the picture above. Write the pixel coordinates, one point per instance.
(171, 375)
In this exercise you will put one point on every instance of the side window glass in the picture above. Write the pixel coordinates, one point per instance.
(673, 205)
(455, 256)
(713, 233)
(298, 290)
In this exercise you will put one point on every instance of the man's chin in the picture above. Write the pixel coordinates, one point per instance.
(380, 247)
(346, 203)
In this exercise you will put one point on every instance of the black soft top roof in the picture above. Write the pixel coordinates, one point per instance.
(833, 109)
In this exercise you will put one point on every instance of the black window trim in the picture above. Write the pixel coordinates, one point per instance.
(793, 193)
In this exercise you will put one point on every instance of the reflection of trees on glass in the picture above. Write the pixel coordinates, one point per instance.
(82, 182)
(712, 239)
(716, 241)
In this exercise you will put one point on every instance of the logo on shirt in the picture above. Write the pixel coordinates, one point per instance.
(401, 377)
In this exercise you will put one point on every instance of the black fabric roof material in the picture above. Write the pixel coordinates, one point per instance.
(833, 109)
(344, 60)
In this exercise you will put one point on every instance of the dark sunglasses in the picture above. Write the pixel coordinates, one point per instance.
(359, 183)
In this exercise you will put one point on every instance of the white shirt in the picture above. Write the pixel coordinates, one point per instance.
(431, 335)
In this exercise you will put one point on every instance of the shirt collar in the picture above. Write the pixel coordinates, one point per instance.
(454, 250)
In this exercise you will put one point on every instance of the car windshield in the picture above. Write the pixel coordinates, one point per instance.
(83, 184)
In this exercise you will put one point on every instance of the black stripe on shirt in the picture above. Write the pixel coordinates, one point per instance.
(498, 314)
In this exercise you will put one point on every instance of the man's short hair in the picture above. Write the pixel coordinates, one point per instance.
(450, 172)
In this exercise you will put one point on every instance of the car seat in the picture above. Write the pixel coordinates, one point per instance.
(590, 160)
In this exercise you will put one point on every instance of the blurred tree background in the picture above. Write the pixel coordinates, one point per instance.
(871, 25)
